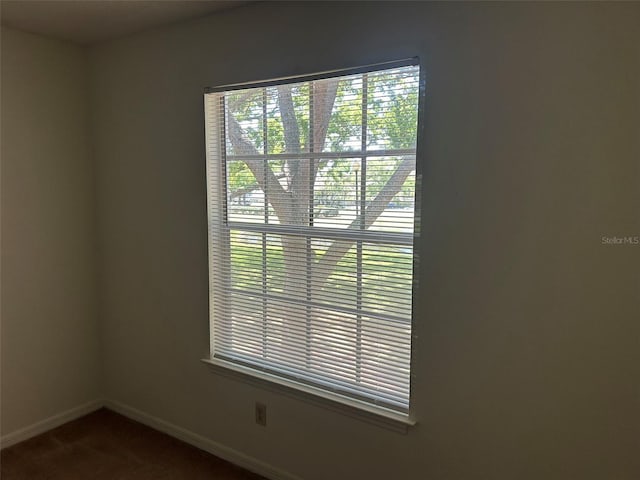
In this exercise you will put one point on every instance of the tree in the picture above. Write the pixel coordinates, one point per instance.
(304, 118)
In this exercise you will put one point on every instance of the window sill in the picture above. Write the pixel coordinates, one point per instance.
(360, 410)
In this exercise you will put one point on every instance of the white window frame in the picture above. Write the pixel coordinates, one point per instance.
(219, 238)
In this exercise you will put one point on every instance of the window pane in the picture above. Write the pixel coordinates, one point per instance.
(245, 197)
(387, 280)
(244, 122)
(342, 126)
(289, 175)
(336, 193)
(288, 118)
(392, 109)
(275, 267)
(286, 334)
(242, 333)
(390, 193)
(386, 346)
(246, 260)
(335, 274)
(333, 341)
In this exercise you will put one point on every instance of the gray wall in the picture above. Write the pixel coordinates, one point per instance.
(50, 354)
(526, 360)
(526, 363)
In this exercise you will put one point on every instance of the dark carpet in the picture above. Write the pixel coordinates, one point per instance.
(106, 446)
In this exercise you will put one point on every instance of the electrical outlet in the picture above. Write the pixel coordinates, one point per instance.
(261, 414)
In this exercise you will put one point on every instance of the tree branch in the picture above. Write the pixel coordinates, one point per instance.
(339, 248)
(289, 121)
(250, 188)
(236, 101)
(278, 197)
(324, 96)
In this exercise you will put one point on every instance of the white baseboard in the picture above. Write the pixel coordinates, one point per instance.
(201, 442)
(49, 423)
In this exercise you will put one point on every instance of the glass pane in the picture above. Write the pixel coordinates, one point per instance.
(246, 260)
(289, 190)
(245, 198)
(385, 343)
(276, 273)
(338, 129)
(336, 192)
(243, 332)
(286, 333)
(275, 129)
(288, 118)
(244, 122)
(392, 109)
(390, 194)
(333, 344)
(334, 269)
(387, 273)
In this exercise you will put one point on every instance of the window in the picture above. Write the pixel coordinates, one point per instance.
(311, 192)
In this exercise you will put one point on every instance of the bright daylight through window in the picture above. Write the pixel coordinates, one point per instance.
(311, 191)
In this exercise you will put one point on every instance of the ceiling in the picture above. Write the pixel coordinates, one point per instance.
(90, 21)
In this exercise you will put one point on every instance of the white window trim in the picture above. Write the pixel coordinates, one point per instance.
(342, 404)
(353, 407)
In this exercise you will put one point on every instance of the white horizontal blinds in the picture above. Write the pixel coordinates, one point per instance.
(311, 191)
(218, 234)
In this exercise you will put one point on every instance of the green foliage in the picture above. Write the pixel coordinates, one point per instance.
(239, 175)
(381, 273)
(391, 124)
(393, 112)
(345, 124)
